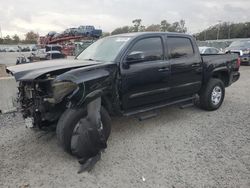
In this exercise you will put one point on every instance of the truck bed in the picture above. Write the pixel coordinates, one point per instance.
(220, 58)
(218, 61)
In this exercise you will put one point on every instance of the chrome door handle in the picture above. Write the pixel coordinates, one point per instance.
(196, 65)
(163, 69)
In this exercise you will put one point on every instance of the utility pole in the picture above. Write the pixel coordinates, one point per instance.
(218, 31)
(1, 35)
(229, 30)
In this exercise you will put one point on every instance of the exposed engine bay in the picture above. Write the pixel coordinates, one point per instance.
(44, 101)
(36, 100)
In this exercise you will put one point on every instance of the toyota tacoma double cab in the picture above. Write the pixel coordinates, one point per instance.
(119, 75)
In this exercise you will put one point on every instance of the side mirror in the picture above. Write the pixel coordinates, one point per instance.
(133, 57)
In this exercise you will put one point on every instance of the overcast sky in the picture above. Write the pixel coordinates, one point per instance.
(42, 16)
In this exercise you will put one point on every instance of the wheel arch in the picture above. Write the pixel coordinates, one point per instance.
(223, 75)
(107, 103)
(106, 99)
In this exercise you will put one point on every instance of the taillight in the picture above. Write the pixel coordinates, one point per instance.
(238, 62)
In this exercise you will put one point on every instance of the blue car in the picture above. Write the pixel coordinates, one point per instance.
(90, 31)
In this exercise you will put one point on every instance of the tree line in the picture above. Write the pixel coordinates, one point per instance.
(30, 38)
(163, 26)
(225, 30)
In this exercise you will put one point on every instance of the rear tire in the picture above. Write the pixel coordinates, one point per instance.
(68, 121)
(212, 95)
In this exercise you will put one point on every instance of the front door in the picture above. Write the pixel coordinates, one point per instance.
(145, 78)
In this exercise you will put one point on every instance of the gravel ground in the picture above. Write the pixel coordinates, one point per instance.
(178, 148)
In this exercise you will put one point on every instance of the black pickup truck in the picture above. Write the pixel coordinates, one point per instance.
(119, 75)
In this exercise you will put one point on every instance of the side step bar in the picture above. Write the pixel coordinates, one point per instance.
(130, 113)
(143, 117)
(186, 105)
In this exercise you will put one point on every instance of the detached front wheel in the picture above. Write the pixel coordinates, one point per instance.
(212, 95)
(70, 119)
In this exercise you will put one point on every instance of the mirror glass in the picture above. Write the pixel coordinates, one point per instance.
(135, 56)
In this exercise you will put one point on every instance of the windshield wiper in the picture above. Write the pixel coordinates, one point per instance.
(90, 59)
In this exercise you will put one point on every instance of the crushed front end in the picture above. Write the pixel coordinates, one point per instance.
(42, 101)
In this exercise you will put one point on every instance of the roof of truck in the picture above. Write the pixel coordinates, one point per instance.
(135, 34)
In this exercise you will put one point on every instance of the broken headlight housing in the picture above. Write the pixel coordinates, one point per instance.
(60, 90)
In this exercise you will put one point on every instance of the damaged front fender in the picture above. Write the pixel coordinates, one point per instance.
(91, 84)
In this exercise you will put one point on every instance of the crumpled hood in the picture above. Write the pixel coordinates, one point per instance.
(32, 71)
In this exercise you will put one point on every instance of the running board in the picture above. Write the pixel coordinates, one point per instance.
(149, 115)
(147, 109)
(183, 106)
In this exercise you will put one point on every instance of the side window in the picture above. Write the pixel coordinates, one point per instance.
(179, 47)
(214, 51)
(208, 51)
(149, 49)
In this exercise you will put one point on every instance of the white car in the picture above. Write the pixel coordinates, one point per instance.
(208, 50)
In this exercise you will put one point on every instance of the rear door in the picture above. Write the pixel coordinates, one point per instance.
(147, 81)
(186, 66)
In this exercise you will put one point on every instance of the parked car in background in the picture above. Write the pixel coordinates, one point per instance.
(54, 54)
(208, 50)
(39, 54)
(89, 30)
(12, 49)
(25, 49)
(242, 47)
(47, 53)
(22, 60)
(2, 49)
(57, 35)
(51, 33)
(71, 32)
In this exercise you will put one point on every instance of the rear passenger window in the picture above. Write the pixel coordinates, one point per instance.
(179, 47)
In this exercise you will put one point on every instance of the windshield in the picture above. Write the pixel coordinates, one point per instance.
(244, 44)
(105, 49)
(201, 49)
